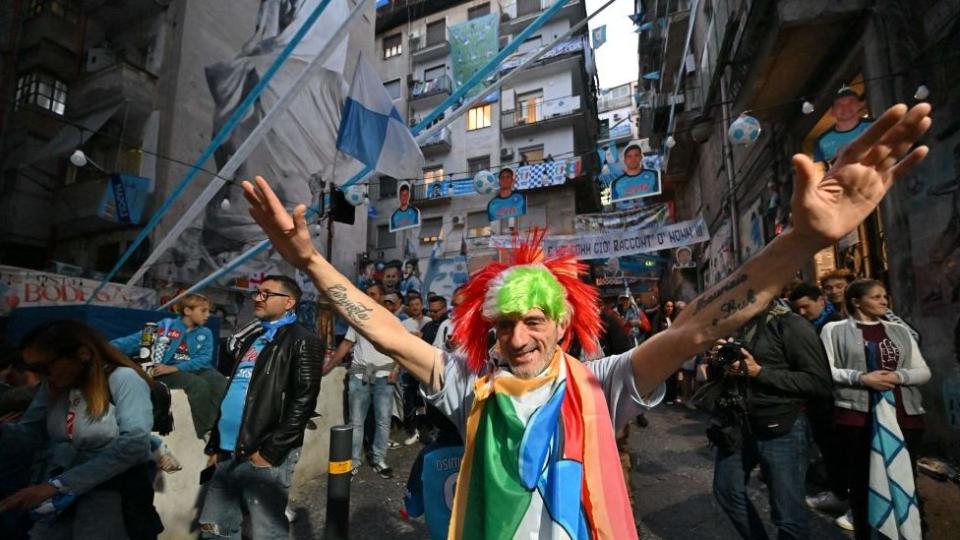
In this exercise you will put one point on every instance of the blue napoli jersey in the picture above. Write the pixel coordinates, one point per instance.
(832, 142)
(404, 219)
(507, 207)
(430, 490)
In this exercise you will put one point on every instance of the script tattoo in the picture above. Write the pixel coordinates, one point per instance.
(726, 287)
(355, 311)
(734, 306)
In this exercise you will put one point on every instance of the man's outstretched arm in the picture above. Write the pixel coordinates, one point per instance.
(291, 238)
(824, 211)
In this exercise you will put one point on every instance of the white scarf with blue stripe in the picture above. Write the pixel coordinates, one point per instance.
(892, 504)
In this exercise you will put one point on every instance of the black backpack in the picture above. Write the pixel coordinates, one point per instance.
(162, 403)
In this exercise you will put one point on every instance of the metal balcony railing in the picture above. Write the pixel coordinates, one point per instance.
(440, 85)
(533, 112)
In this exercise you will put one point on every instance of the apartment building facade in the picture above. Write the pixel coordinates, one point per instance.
(543, 118)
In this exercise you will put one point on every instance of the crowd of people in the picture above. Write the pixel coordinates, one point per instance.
(523, 386)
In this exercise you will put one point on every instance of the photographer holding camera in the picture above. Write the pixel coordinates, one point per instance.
(767, 375)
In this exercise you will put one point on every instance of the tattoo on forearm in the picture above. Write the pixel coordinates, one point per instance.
(355, 311)
(726, 287)
(734, 306)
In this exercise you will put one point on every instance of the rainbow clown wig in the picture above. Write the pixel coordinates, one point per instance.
(529, 281)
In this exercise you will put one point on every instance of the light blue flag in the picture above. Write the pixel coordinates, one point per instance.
(652, 76)
(372, 130)
(599, 36)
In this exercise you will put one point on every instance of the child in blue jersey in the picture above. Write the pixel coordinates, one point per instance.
(185, 359)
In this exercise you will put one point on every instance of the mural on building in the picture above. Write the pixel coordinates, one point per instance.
(297, 153)
(934, 258)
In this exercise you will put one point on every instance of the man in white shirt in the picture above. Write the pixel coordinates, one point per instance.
(370, 379)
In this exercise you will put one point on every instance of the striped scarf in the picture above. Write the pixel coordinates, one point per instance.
(892, 505)
(541, 460)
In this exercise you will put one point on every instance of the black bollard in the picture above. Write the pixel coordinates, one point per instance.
(337, 526)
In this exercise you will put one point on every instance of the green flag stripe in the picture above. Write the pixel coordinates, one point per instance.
(496, 500)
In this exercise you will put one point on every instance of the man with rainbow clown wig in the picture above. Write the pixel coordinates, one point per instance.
(540, 458)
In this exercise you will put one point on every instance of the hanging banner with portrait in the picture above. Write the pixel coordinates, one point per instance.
(406, 216)
(507, 203)
(628, 187)
(751, 230)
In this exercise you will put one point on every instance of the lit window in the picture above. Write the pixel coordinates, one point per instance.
(478, 225)
(42, 91)
(392, 46)
(433, 174)
(431, 230)
(479, 117)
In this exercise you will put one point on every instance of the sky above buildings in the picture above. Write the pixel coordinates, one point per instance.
(617, 58)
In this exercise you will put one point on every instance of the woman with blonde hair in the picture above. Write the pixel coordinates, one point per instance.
(91, 422)
(184, 359)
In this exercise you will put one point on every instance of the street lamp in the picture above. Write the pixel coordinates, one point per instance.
(80, 159)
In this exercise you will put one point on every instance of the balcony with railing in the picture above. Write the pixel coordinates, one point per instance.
(430, 93)
(515, 15)
(609, 103)
(436, 144)
(429, 44)
(120, 82)
(623, 129)
(566, 49)
(535, 115)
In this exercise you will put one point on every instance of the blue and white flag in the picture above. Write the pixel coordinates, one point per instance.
(892, 505)
(372, 130)
(599, 36)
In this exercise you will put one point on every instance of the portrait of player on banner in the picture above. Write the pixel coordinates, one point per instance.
(508, 203)
(635, 182)
(405, 216)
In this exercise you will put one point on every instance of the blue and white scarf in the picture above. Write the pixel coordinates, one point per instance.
(271, 327)
(892, 504)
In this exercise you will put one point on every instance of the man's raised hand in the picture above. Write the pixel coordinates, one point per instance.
(288, 234)
(825, 210)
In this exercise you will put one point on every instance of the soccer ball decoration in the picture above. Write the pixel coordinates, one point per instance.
(354, 194)
(744, 131)
(485, 183)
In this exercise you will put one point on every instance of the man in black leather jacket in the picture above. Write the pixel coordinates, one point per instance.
(273, 393)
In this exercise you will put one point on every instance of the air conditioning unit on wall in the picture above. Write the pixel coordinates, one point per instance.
(458, 221)
(506, 153)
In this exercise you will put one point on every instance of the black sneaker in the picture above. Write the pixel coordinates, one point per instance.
(383, 470)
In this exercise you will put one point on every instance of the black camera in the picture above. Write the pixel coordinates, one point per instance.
(729, 353)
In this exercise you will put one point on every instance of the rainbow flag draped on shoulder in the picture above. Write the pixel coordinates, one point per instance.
(541, 460)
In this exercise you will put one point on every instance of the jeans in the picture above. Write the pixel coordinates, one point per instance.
(783, 460)
(96, 514)
(204, 391)
(361, 394)
(237, 483)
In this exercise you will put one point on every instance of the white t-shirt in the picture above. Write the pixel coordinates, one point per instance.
(413, 325)
(366, 357)
(615, 373)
